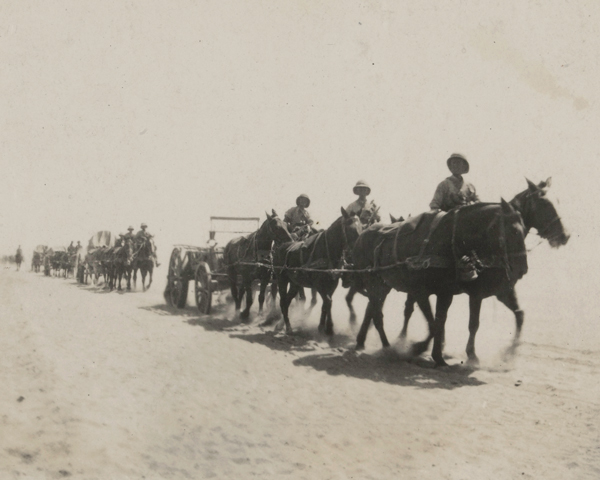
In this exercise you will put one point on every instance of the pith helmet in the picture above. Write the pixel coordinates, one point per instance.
(458, 164)
(130, 228)
(303, 196)
(361, 184)
(144, 225)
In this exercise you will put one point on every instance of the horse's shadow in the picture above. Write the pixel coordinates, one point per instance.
(389, 367)
(338, 358)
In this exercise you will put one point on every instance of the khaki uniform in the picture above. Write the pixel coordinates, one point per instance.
(297, 217)
(452, 192)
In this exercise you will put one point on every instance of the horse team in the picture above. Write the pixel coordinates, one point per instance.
(118, 263)
(477, 249)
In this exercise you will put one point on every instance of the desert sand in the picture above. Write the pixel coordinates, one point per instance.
(101, 385)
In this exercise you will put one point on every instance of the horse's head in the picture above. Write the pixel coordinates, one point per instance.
(351, 229)
(396, 220)
(126, 252)
(512, 234)
(539, 212)
(275, 229)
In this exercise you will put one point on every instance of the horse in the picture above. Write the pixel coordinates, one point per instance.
(123, 264)
(242, 256)
(143, 261)
(535, 211)
(352, 290)
(297, 264)
(19, 259)
(36, 261)
(423, 257)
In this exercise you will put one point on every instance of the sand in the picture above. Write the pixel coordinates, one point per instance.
(99, 385)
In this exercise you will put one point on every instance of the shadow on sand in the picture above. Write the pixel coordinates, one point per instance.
(337, 357)
(390, 367)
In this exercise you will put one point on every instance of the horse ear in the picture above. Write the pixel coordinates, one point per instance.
(533, 188)
(545, 185)
(345, 214)
(506, 208)
(274, 212)
(401, 219)
(392, 218)
(268, 216)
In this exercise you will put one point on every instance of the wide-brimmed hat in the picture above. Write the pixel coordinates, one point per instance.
(458, 164)
(305, 197)
(143, 225)
(361, 184)
(130, 228)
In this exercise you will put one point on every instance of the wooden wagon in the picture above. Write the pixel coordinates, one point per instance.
(204, 266)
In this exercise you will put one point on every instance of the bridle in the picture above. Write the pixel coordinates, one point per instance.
(529, 209)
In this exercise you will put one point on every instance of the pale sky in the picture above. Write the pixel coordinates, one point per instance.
(167, 112)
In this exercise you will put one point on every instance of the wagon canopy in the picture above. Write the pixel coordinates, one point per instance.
(41, 249)
(103, 238)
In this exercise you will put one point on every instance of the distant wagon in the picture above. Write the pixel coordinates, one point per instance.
(38, 257)
(204, 266)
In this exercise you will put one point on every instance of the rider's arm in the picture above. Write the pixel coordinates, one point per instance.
(438, 197)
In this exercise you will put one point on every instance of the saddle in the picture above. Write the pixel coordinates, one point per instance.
(410, 237)
(302, 251)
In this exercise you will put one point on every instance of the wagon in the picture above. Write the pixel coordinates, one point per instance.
(204, 266)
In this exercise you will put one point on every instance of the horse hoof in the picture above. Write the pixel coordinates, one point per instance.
(473, 361)
(359, 347)
(440, 362)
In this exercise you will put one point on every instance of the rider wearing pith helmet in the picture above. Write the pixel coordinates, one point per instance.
(303, 200)
(454, 191)
(367, 211)
(143, 235)
(361, 188)
(298, 216)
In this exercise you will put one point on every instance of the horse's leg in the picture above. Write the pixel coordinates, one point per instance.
(264, 282)
(150, 270)
(378, 322)
(128, 279)
(509, 298)
(324, 311)
(313, 299)
(247, 286)
(441, 313)
(423, 301)
(364, 328)
(409, 308)
(284, 302)
(234, 289)
(474, 311)
(135, 269)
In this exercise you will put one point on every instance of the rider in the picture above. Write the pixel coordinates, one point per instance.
(298, 217)
(366, 210)
(129, 235)
(143, 235)
(71, 249)
(454, 191)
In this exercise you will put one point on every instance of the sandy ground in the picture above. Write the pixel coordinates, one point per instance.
(102, 385)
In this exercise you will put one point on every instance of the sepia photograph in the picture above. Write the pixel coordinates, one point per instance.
(306, 239)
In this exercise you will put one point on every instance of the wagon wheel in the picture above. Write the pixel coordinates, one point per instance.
(177, 286)
(203, 290)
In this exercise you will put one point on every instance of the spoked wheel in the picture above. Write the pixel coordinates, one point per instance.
(203, 290)
(177, 286)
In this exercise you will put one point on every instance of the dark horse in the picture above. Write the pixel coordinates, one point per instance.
(122, 259)
(352, 289)
(143, 261)
(298, 264)
(498, 247)
(19, 259)
(242, 256)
